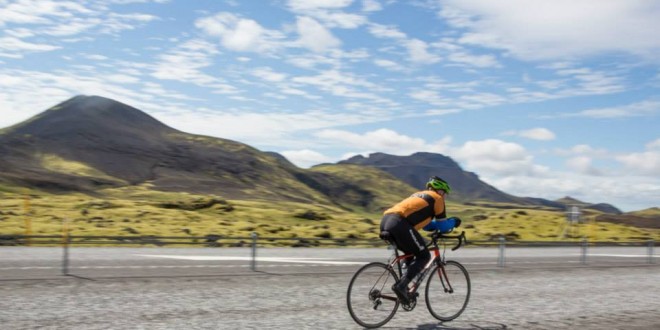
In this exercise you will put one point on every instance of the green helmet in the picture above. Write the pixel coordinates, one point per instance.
(438, 184)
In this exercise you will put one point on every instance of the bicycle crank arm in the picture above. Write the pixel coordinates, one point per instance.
(390, 298)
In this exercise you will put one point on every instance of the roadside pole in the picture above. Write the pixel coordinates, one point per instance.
(66, 240)
(253, 264)
(650, 245)
(28, 221)
(500, 259)
(583, 255)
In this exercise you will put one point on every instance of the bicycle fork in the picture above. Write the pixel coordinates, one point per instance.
(442, 273)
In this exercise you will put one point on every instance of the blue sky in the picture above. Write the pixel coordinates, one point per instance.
(539, 98)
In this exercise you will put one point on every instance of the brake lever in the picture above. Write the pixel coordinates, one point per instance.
(461, 238)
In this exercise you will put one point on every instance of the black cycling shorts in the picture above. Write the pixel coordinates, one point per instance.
(405, 236)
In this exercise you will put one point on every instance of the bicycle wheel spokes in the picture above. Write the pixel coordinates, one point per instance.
(448, 295)
(370, 299)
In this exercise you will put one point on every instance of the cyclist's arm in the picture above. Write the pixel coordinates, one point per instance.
(443, 225)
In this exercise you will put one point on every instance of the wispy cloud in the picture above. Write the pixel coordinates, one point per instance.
(362, 72)
(557, 29)
(16, 48)
(638, 109)
(185, 63)
(329, 12)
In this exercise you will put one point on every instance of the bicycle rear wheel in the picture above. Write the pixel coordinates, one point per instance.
(447, 296)
(370, 299)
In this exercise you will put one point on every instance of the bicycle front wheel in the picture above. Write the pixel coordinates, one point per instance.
(448, 291)
(370, 299)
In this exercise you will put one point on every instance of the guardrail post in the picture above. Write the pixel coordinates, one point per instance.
(583, 255)
(65, 258)
(253, 264)
(650, 245)
(500, 260)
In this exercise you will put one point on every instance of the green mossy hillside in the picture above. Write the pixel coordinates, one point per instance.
(139, 211)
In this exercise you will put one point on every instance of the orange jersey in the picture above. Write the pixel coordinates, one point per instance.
(420, 208)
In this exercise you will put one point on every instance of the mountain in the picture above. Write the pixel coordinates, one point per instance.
(648, 218)
(417, 168)
(88, 143)
(382, 188)
(600, 207)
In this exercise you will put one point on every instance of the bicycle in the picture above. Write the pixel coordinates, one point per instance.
(372, 303)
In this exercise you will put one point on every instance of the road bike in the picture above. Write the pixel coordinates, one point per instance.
(372, 303)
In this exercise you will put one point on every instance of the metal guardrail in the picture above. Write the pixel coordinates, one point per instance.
(254, 241)
(202, 241)
(246, 241)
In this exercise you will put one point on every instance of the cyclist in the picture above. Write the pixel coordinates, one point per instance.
(423, 209)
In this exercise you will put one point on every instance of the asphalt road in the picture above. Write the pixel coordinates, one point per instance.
(17, 263)
(125, 288)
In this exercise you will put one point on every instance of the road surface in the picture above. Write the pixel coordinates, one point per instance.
(306, 288)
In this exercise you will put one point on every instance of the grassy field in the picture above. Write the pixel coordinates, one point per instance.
(139, 211)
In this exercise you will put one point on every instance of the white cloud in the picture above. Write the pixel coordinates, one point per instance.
(302, 5)
(582, 164)
(387, 64)
(653, 145)
(383, 140)
(644, 108)
(642, 163)
(591, 189)
(240, 34)
(479, 61)
(268, 74)
(538, 133)
(339, 19)
(418, 52)
(497, 158)
(558, 29)
(384, 31)
(315, 36)
(431, 97)
(371, 5)
(583, 150)
(479, 100)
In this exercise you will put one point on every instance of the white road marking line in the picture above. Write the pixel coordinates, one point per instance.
(258, 259)
(618, 255)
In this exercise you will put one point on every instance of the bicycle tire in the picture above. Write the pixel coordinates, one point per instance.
(369, 298)
(444, 305)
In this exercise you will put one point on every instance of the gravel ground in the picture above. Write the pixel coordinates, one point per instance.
(585, 298)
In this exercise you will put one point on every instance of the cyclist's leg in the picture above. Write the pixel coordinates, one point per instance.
(414, 244)
(409, 241)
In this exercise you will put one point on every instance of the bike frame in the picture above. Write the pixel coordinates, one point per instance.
(435, 259)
